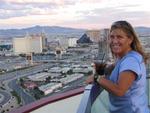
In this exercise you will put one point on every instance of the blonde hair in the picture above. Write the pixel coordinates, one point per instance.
(128, 29)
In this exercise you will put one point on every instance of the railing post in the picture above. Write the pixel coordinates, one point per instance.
(148, 89)
(85, 104)
(89, 96)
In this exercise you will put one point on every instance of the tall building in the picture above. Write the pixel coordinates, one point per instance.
(100, 37)
(72, 42)
(103, 47)
(94, 35)
(29, 44)
(65, 42)
(5, 44)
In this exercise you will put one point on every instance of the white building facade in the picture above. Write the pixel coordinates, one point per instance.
(29, 44)
(72, 42)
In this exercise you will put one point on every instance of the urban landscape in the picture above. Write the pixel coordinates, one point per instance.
(48, 48)
(31, 67)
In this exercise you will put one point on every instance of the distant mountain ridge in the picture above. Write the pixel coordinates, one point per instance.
(49, 30)
(55, 30)
(143, 31)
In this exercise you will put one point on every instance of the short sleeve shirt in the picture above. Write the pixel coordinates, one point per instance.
(135, 99)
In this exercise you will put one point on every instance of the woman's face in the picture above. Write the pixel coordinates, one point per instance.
(119, 42)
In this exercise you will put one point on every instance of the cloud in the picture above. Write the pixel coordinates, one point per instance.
(49, 2)
(104, 17)
(10, 10)
(84, 13)
(19, 8)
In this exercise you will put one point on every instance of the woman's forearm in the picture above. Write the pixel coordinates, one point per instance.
(111, 87)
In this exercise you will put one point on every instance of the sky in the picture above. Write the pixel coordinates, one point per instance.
(87, 14)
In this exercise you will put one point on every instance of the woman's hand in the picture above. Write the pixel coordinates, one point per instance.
(109, 69)
(90, 79)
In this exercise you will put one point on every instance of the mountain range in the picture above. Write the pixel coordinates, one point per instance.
(143, 31)
(55, 30)
(48, 30)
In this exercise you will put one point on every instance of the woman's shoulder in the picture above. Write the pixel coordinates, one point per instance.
(135, 55)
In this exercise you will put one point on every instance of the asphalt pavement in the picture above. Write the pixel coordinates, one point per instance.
(5, 97)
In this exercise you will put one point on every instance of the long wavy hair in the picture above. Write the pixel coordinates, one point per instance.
(128, 29)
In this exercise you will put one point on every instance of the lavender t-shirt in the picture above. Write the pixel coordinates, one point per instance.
(135, 99)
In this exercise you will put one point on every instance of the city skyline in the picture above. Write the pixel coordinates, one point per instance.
(89, 14)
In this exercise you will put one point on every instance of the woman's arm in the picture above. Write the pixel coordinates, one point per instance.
(125, 81)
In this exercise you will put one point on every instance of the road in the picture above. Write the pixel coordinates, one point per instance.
(13, 76)
(6, 97)
(23, 72)
(24, 96)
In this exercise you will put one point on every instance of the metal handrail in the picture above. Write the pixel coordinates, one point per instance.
(148, 89)
(47, 100)
(90, 94)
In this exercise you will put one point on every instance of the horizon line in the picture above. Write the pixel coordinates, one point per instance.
(19, 28)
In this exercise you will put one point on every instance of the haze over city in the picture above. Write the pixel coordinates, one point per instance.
(89, 14)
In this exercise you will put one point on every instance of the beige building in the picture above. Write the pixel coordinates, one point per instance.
(29, 44)
(103, 47)
(94, 35)
(98, 35)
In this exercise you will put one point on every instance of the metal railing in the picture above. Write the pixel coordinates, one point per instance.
(148, 89)
(48, 100)
(92, 91)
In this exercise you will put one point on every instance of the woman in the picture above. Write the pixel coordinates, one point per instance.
(127, 83)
